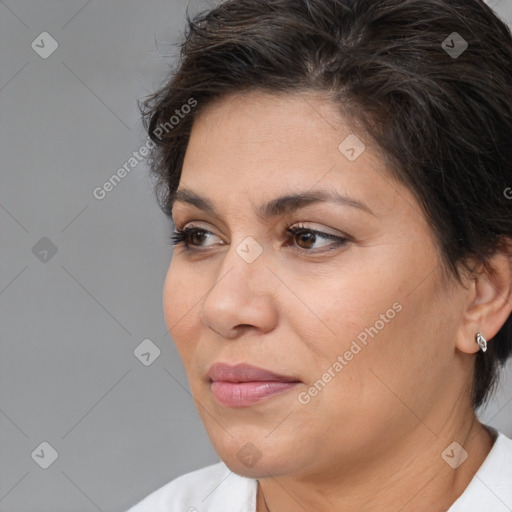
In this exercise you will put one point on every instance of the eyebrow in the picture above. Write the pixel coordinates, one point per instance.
(279, 206)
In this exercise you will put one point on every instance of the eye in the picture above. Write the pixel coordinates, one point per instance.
(189, 236)
(307, 238)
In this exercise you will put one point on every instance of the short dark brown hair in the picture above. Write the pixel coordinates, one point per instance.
(444, 121)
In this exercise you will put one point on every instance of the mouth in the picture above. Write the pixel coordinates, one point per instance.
(243, 385)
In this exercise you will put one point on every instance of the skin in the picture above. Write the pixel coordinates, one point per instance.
(372, 438)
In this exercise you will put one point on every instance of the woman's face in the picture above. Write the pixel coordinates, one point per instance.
(350, 311)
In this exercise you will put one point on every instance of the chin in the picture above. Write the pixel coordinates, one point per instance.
(258, 458)
(254, 469)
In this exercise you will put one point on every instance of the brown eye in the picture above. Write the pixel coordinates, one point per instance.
(190, 237)
(197, 236)
(307, 238)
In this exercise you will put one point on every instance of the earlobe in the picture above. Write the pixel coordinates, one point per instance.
(489, 302)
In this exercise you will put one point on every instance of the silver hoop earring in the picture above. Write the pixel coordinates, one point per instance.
(482, 342)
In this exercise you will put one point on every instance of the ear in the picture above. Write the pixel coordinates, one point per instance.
(489, 299)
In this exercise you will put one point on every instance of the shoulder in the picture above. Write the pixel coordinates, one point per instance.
(491, 487)
(208, 489)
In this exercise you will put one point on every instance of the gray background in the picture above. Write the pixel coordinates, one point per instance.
(70, 321)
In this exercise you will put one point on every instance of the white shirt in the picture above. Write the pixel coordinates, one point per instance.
(217, 489)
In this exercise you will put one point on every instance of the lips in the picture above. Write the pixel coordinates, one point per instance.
(245, 373)
(244, 385)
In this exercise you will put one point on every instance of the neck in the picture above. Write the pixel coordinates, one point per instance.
(412, 476)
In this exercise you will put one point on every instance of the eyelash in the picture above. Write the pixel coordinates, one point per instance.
(181, 236)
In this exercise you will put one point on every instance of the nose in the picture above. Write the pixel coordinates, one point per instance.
(241, 298)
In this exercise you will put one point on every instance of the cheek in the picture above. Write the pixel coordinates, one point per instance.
(342, 306)
(371, 318)
(180, 303)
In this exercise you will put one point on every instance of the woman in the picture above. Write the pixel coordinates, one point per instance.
(340, 290)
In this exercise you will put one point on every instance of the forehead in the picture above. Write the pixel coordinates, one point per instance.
(262, 145)
(238, 134)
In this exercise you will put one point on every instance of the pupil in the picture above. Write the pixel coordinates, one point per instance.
(309, 238)
(198, 234)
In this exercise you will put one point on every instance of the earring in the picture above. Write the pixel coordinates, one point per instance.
(482, 342)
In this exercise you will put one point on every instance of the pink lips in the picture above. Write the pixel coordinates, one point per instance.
(244, 385)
